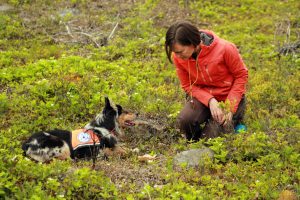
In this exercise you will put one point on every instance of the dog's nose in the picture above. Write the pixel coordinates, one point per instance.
(137, 114)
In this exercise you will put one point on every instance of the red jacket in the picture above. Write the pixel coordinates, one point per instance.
(222, 73)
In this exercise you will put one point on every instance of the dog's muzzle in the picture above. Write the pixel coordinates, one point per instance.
(129, 123)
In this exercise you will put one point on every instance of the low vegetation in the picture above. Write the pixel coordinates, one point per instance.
(60, 58)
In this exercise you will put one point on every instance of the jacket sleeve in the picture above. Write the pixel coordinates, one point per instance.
(239, 71)
(196, 91)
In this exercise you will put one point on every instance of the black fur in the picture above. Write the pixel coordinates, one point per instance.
(46, 145)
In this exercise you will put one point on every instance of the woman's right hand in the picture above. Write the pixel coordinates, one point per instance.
(216, 112)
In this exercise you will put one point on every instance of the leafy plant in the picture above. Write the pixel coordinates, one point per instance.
(48, 79)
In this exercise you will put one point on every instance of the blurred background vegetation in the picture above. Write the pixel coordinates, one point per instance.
(58, 59)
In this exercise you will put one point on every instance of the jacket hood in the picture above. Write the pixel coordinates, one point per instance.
(208, 44)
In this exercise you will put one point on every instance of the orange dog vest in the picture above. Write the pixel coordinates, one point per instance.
(83, 137)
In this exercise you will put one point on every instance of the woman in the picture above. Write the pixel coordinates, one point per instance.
(210, 70)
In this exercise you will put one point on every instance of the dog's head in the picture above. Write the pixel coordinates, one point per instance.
(107, 119)
(127, 119)
(111, 118)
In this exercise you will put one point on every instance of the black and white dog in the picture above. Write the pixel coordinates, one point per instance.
(101, 132)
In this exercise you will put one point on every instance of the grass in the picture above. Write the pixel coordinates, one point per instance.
(52, 78)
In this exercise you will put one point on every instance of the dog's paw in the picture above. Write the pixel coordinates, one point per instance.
(120, 152)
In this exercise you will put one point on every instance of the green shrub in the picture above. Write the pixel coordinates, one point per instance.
(45, 84)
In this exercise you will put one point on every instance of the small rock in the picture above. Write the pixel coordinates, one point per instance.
(5, 7)
(136, 150)
(193, 157)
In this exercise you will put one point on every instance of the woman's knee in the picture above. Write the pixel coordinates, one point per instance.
(185, 119)
(193, 112)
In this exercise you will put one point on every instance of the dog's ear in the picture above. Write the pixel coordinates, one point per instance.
(109, 106)
(107, 103)
(120, 109)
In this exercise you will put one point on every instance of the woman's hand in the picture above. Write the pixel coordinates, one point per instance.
(216, 112)
(228, 119)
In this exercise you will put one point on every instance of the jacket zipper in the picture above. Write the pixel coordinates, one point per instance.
(206, 69)
(227, 82)
(202, 76)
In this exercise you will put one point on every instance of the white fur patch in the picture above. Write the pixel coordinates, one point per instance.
(99, 118)
(88, 126)
(47, 154)
(34, 142)
(47, 134)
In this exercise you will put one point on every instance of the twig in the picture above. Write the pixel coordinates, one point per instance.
(69, 30)
(148, 194)
(90, 37)
(288, 32)
(114, 29)
(290, 48)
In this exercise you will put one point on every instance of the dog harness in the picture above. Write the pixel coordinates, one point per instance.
(83, 138)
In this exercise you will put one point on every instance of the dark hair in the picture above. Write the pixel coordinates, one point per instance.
(181, 32)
